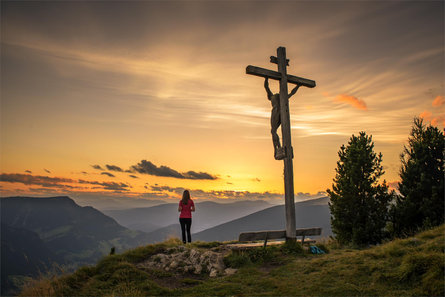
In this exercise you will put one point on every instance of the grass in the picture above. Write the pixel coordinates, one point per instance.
(403, 267)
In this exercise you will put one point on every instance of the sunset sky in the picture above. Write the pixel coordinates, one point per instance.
(143, 99)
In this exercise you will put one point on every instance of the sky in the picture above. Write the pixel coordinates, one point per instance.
(144, 99)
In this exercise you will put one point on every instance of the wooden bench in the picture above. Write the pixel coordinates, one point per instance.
(281, 234)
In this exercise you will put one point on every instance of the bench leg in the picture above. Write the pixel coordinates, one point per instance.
(265, 239)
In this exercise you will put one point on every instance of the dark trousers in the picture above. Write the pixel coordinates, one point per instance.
(186, 223)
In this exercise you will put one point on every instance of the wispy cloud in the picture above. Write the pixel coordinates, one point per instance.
(98, 167)
(28, 179)
(112, 186)
(60, 182)
(176, 192)
(351, 100)
(438, 101)
(46, 170)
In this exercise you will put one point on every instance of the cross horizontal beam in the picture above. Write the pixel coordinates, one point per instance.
(258, 71)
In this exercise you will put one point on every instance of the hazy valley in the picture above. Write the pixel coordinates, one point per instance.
(38, 233)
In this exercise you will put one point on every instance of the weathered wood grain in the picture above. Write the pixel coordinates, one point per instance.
(274, 60)
(277, 234)
(262, 72)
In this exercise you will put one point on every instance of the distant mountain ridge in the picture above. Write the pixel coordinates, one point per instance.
(310, 213)
(104, 203)
(208, 214)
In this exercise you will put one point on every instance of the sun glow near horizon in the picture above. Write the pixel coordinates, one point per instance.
(175, 93)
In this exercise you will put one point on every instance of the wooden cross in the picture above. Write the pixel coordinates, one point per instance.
(284, 78)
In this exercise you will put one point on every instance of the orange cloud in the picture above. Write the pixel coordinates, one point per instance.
(351, 100)
(438, 120)
(438, 101)
(426, 115)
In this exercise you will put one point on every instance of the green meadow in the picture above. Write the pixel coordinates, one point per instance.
(404, 267)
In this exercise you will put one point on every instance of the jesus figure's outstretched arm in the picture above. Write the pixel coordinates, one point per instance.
(294, 90)
(266, 86)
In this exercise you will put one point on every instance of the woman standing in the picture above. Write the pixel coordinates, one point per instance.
(186, 206)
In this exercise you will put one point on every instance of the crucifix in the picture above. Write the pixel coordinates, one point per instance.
(280, 115)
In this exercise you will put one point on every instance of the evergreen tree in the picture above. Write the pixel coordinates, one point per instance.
(358, 203)
(421, 200)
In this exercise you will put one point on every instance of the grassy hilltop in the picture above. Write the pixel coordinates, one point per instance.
(403, 267)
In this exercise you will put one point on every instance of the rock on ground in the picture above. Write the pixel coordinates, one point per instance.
(190, 260)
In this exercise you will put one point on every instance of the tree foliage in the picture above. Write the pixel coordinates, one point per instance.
(421, 200)
(358, 203)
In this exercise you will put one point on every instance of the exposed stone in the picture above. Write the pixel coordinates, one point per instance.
(197, 269)
(173, 264)
(213, 273)
(194, 253)
(230, 271)
(182, 259)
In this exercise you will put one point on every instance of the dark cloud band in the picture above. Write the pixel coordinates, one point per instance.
(107, 174)
(147, 167)
(114, 168)
(58, 182)
(97, 167)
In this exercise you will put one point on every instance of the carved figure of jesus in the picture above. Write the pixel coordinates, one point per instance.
(275, 118)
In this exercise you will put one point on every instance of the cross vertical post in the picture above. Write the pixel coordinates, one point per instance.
(284, 117)
(287, 144)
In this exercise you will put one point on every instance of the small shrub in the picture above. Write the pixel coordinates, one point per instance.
(323, 247)
(394, 249)
(139, 254)
(204, 269)
(190, 281)
(410, 242)
(181, 263)
(432, 280)
(159, 273)
(206, 245)
(416, 264)
(237, 260)
(261, 255)
(292, 248)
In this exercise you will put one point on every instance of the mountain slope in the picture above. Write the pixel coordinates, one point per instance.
(104, 203)
(22, 253)
(310, 213)
(208, 214)
(40, 232)
(403, 267)
(73, 232)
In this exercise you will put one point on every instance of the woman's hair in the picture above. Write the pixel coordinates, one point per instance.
(185, 197)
